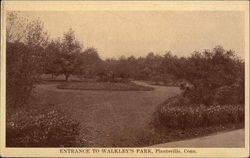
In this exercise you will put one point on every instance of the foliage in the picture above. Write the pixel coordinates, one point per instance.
(46, 128)
(70, 48)
(66, 57)
(215, 97)
(88, 63)
(209, 71)
(206, 72)
(52, 58)
(179, 113)
(22, 73)
(21, 29)
(233, 94)
(25, 51)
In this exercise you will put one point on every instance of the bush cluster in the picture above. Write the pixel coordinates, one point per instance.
(47, 128)
(178, 113)
(233, 94)
(215, 76)
(227, 94)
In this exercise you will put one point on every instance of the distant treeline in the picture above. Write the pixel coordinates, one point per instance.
(31, 53)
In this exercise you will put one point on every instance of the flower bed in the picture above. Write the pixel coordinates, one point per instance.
(130, 86)
(175, 114)
(36, 128)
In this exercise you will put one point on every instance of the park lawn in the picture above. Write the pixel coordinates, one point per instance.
(117, 118)
(108, 118)
(129, 86)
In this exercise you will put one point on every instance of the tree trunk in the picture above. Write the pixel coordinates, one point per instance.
(67, 77)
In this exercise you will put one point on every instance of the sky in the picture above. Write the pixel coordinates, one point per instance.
(117, 33)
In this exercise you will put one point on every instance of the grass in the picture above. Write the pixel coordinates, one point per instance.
(109, 118)
(117, 118)
(130, 86)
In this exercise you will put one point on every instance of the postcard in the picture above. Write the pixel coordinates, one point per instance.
(124, 79)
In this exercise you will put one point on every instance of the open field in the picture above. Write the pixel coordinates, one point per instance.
(112, 118)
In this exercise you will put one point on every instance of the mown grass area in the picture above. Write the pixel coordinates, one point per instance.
(129, 86)
(108, 118)
(118, 118)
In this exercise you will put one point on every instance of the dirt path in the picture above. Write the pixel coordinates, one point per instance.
(228, 139)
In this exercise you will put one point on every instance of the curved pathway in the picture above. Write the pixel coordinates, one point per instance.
(234, 139)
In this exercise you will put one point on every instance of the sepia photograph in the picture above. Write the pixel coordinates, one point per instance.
(162, 80)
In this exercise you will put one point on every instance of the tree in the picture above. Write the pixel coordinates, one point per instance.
(132, 66)
(16, 27)
(121, 69)
(153, 63)
(23, 56)
(69, 53)
(209, 71)
(52, 58)
(88, 63)
(35, 34)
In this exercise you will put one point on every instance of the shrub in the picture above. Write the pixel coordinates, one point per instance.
(178, 113)
(233, 94)
(48, 128)
(216, 71)
(200, 95)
